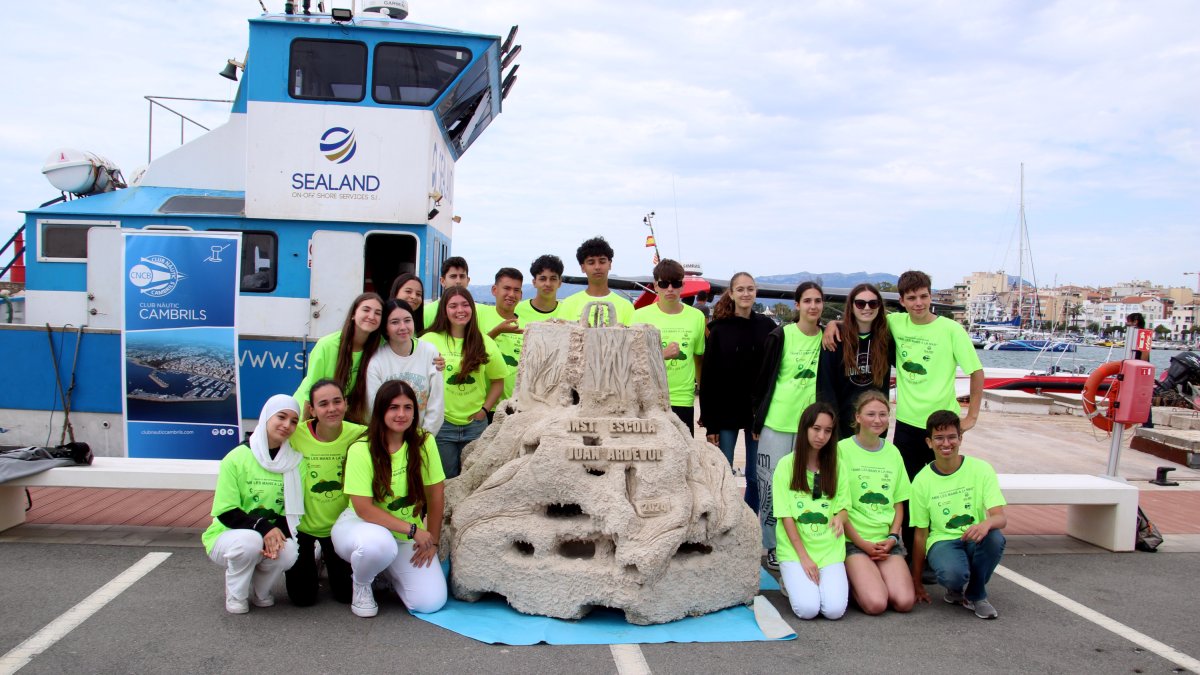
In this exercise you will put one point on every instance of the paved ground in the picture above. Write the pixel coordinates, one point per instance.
(172, 620)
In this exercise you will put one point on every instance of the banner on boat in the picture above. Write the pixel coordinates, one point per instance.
(342, 163)
(180, 344)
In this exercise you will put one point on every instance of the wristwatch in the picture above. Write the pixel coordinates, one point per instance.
(895, 536)
(412, 531)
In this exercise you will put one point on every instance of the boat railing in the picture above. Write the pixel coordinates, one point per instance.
(17, 243)
(183, 119)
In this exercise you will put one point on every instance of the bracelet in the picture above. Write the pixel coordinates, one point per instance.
(893, 535)
(412, 530)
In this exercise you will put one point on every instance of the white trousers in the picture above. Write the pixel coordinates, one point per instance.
(828, 598)
(371, 549)
(246, 568)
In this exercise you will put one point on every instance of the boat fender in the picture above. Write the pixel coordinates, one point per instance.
(1102, 421)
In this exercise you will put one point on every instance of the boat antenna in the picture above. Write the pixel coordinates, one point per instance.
(263, 5)
(651, 242)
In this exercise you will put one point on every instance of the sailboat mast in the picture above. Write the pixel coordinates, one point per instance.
(1021, 254)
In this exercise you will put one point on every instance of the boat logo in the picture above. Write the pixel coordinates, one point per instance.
(155, 276)
(338, 144)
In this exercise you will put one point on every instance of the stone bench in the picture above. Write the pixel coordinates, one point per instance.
(1100, 510)
(110, 472)
(1022, 402)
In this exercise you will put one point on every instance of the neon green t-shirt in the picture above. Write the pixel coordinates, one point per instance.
(322, 363)
(531, 314)
(429, 312)
(796, 383)
(572, 308)
(243, 484)
(324, 500)
(878, 481)
(509, 344)
(926, 359)
(359, 474)
(812, 517)
(465, 395)
(686, 328)
(948, 505)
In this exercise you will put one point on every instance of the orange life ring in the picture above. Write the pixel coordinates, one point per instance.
(1104, 422)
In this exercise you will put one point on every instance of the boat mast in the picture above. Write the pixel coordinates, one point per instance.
(1021, 256)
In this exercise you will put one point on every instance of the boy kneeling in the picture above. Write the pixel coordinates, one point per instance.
(958, 512)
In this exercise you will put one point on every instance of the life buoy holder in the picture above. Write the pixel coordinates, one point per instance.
(1093, 385)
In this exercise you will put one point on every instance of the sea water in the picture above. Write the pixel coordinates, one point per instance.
(1083, 360)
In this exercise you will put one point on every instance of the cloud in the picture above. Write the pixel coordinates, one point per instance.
(826, 136)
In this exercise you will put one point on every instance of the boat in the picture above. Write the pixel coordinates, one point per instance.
(1031, 345)
(334, 170)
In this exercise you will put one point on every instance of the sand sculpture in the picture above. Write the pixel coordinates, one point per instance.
(587, 491)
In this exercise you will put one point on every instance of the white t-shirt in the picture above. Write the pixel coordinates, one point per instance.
(416, 369)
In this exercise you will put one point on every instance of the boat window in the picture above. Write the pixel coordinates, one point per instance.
(467, 109)
(327, 70)
(415, 74)
(260, 260)
(65, 241)
(225, 206)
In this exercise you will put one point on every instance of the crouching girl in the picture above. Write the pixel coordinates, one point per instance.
(809, 497)
(392, 478)
(256, 509)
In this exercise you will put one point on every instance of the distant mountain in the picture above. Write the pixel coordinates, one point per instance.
(831, 279)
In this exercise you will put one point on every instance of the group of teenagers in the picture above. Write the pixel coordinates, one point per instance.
(355, 461)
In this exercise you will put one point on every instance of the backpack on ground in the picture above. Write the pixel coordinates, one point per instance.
(1148, 537)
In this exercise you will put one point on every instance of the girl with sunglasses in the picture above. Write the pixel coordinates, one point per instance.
(860, 360)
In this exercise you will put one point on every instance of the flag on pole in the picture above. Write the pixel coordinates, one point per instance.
(650, 241)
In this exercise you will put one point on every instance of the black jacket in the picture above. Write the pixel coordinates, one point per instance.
(841, 389)
(733, 355)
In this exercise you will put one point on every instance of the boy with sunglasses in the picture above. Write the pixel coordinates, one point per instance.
(595, 261)
(682, 331)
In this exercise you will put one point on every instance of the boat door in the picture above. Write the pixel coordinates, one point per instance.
(105, 249)
(336, 279)
(388, 255)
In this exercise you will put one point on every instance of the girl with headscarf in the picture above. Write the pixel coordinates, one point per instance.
(257, 507)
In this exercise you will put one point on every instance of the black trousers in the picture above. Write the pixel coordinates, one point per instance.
(688, 415)
(910, 441)
(301, 580)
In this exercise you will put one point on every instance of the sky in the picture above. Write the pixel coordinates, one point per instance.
(769, 137)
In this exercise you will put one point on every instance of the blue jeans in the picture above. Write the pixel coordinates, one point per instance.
(726, 440)
(966, 566)
(452, 438)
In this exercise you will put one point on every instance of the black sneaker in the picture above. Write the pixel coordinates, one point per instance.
(772, 561)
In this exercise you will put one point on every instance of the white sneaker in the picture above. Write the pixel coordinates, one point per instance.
(235, 606)
(363, 602)
(266, 601)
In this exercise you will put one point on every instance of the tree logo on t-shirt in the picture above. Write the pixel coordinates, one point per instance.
(813, 519)
(261, 512)
(326, 486)
(874, 500)
(805, 374)
(914, 367)
(964, 520)
(509, 360)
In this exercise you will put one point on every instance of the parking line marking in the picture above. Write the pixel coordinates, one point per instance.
(629, 660)
(1141, 639)
(66, 622)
